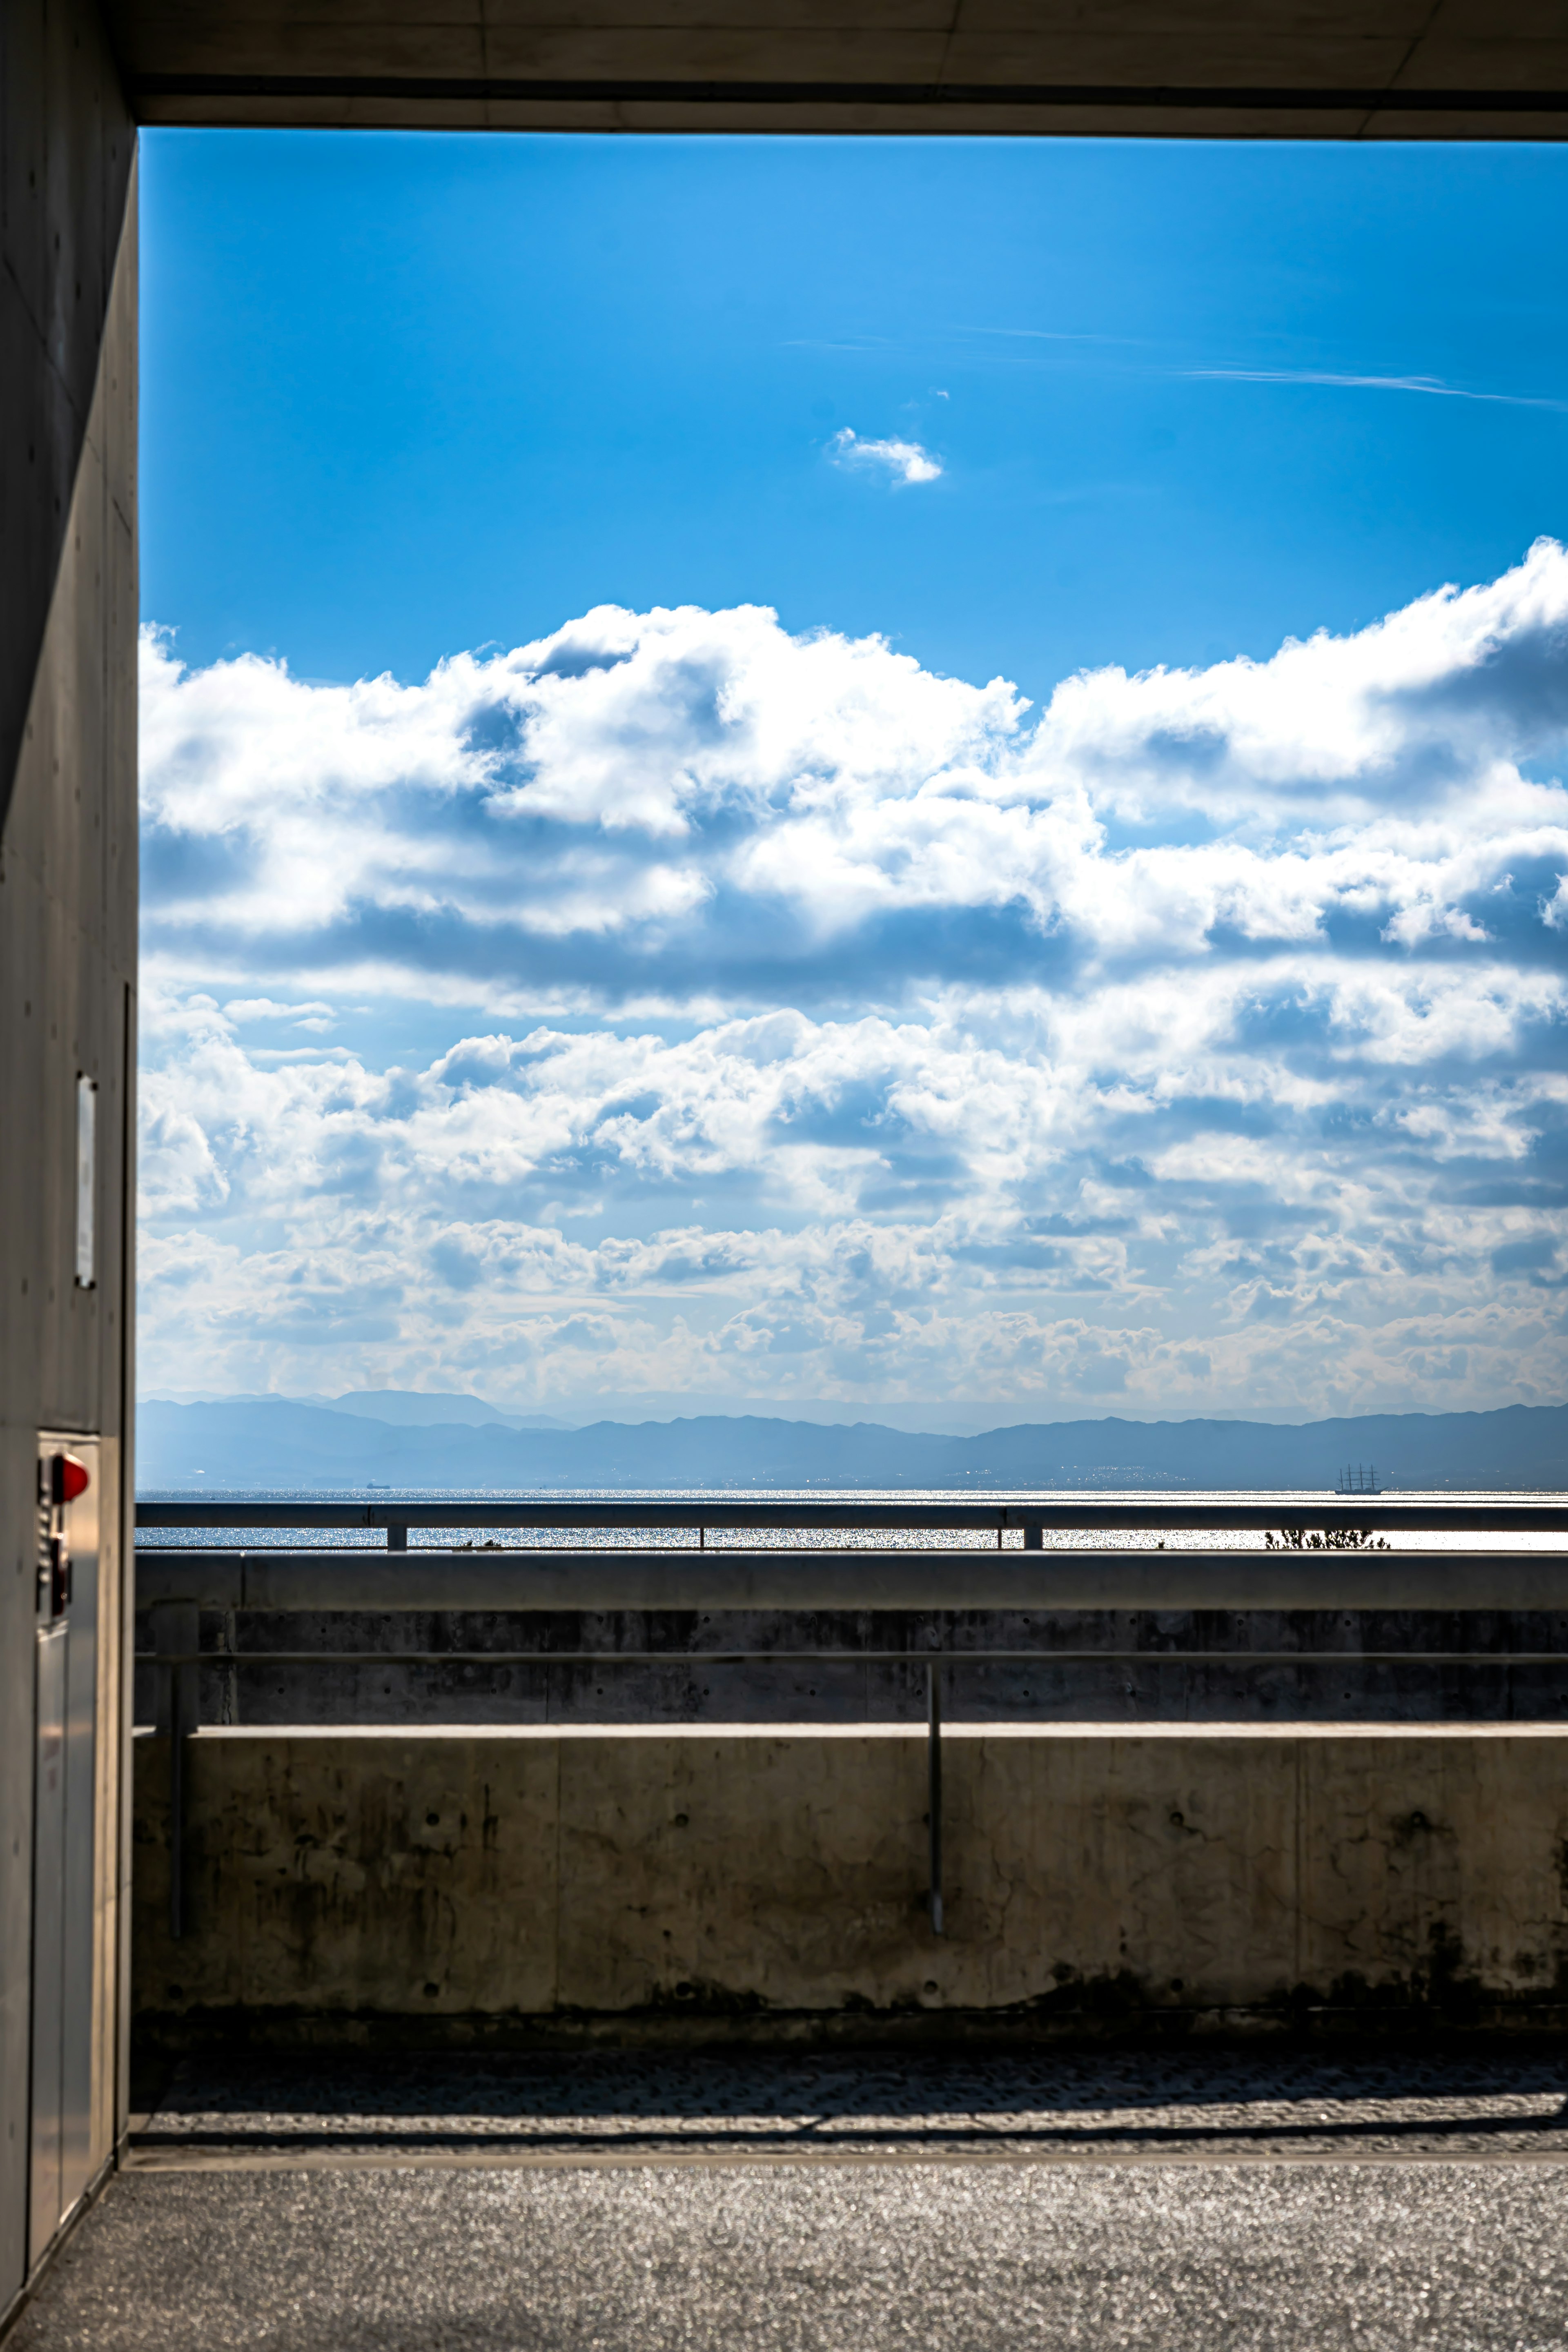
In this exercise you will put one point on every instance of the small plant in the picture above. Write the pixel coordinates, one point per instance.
(1325, 1539)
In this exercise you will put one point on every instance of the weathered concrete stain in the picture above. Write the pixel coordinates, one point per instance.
(466, 1878)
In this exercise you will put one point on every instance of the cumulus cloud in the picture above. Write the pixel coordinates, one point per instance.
(677, 1004)
(903, 461)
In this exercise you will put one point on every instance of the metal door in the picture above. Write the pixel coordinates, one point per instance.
(65, 1939)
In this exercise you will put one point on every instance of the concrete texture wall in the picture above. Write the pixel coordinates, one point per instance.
(515, 1883)
(68, 888)
(1327, 1665)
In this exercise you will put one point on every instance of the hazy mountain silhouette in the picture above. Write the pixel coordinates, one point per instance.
(279, 1443)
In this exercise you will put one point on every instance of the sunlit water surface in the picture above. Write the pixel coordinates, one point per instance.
(447, 1539)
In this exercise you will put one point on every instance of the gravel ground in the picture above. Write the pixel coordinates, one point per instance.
(860, 2257)
(627, 2204)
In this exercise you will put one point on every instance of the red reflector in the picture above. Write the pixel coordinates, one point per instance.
(71, 1477)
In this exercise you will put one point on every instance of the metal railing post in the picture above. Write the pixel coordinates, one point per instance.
(934, 1787)
(176, 1637)
(177, 1833)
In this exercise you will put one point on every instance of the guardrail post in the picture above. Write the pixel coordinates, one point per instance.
(176, 1637)
(1034, 1536)
(397, 1535)
(934, 1787)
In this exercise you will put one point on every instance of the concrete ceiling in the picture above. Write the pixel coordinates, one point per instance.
(1220, 69)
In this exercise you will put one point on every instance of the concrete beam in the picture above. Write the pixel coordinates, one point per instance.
(1218, 68)
(605, 1579)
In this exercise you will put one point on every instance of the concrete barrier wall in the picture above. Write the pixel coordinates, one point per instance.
(1124, 1667)
(560, 1882)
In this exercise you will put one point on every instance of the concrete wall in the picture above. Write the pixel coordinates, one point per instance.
(67, 880)
(554, 1883)
(1123, 1665)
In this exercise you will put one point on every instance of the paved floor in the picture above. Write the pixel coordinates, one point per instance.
(1016, 2202)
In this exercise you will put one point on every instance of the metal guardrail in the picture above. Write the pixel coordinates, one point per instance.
(1111, 1514)
(174, 1583)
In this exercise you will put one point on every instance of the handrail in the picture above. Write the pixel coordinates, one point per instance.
(1425, 1514)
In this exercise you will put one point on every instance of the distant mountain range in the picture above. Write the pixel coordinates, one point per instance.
(403, 1408)
(273, 1442)
(424, 1409)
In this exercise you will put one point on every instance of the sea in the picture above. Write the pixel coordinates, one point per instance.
(437, 1536)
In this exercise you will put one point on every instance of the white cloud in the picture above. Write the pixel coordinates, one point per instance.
(904, 461)
(763, 1013)
(1431, 385)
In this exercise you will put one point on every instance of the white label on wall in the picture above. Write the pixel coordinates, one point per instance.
(86, 1180)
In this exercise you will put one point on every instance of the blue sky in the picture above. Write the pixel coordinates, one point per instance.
(1007, 975)
(407, 394)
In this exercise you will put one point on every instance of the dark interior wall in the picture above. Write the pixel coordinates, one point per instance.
(66, 165)
(68, 906)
